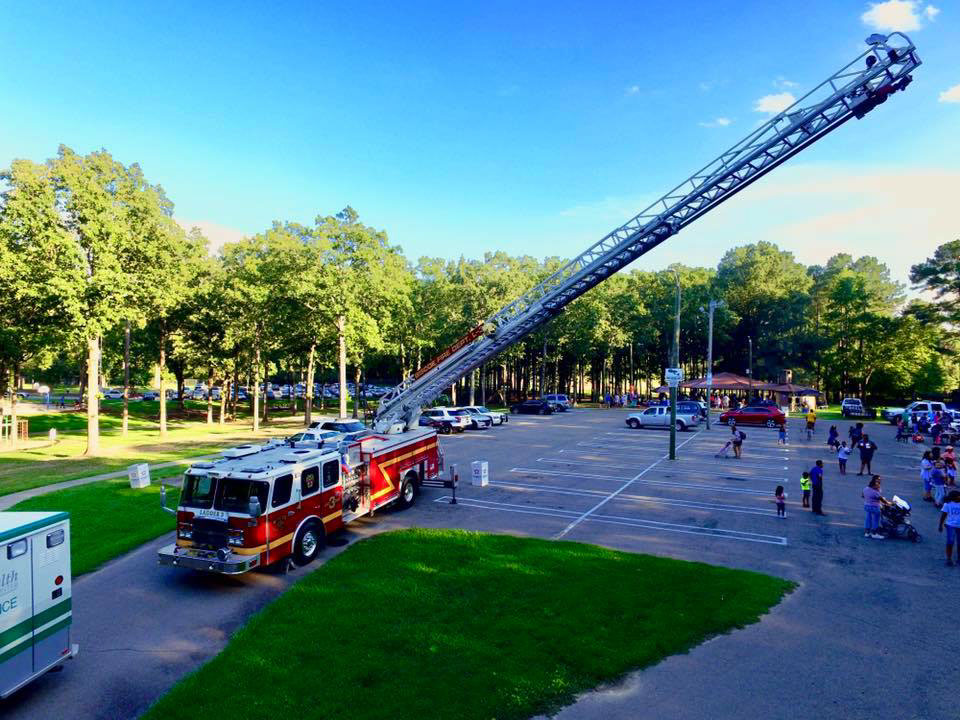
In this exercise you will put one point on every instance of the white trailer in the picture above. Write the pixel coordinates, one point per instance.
(35, 597)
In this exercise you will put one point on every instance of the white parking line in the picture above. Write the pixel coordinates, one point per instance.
(612, 495)
(725, 473)
(693, 504)
(629, 522)
(660, 483)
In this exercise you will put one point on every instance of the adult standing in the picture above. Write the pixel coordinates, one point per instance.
(855, 433)
(926, 474)
(867, 448)
(816, 482)
(873, 501)
(951, 514)
(811, 422)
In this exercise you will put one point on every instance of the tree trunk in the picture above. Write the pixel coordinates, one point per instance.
(126, 378)
(453, 394)
(293, 392)
(13, 406)
(342, 346)
(357, 371)
(93, 399)
(473, 387)
(483, 384)
(233, 388)
(256, 387)
(210, 396)
(163, 385)
(308, 394)
(224, 391)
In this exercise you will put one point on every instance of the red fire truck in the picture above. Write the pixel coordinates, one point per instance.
(260, 504)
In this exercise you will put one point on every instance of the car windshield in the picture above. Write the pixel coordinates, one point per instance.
(351, 426)
(234, 494)
(482, 409)
(296, 438)
(198, 491)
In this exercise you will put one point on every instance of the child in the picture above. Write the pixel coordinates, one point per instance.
(782, 435)
(805, 486)
(926, 472)
(903, 432)
(843, 453)
(833, 440)
(780, 498)
(938, 479)
(951, 513)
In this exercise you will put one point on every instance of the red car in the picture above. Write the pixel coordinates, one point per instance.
(754, 415)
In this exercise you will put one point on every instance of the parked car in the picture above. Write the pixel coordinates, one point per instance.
(754, 415)
(113, 394)
(689, 407)
(342, 425)
(534, 407)
(314, 438)
(854, 407)
(442, 426)
(920, 407)
(458, 421)
(497, 418)
(199, 393)
(477, 420)
(659, 416)
(562, 400)
(151, 395)
(215, 393)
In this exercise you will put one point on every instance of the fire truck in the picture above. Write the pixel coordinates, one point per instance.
(258, 505)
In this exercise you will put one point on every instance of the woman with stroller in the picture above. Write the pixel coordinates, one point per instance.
(873, 502)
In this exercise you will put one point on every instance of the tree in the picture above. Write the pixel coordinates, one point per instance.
(940, 275)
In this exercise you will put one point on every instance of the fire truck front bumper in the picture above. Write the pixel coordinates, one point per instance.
(223, 561)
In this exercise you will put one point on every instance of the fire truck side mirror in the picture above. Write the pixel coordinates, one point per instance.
(254, 508)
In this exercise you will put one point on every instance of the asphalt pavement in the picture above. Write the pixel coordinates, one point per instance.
(863, 635)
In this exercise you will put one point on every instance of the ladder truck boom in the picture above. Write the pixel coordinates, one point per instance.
(851, 92)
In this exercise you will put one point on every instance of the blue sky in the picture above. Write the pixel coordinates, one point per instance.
(528, 127)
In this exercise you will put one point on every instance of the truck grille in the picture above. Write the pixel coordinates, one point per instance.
(209, 533)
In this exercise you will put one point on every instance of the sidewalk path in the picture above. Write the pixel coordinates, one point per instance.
(8, 501)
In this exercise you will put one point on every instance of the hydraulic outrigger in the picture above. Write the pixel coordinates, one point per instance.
(853, 91)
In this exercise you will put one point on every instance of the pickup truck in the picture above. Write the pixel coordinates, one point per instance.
(853, 407)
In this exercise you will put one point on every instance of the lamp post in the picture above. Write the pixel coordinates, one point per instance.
(711, 306)
(750, 369)
(675, 359)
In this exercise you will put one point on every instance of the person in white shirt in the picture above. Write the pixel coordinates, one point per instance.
(950, 513)
(843, 454)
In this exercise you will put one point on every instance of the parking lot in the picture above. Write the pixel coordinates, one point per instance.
(584, 476)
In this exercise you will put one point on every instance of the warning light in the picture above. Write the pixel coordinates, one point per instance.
(59, 580)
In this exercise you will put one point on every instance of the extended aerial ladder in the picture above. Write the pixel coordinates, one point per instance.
(853, 91)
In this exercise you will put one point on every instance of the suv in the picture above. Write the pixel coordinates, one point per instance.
(659, 416)
(562, 401)
(314, 438)
(853, 407)
(458, 422)
(342, 425)
(478, 420)
(534, 407)
(913, 410)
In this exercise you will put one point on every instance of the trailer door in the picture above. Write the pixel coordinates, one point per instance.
(51, 595)
(16, 614)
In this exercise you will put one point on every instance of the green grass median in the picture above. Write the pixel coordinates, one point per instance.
(108, 518)
(452, 624)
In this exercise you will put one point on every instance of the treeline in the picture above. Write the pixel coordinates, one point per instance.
(98, 281)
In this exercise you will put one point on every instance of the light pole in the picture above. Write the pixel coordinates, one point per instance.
(675, 359)
(711, 306)
(750, 370)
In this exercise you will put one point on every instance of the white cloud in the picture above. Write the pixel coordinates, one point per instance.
(633, 90)
(217, 235)
(772, 104)
(951, 95)
(716, 122)
(902, 15)
(781, 83)
(705, 86)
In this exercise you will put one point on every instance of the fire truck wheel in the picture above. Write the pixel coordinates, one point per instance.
(308, 543)
(409, 491)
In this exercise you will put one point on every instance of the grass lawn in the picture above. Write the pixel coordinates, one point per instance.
(451, 624)
(108, 519)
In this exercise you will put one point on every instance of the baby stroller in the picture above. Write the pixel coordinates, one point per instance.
(895, 520)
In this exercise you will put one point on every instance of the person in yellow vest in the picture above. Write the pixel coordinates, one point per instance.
(805, 487)
(811, 421)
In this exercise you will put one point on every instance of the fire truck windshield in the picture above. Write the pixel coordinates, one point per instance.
(233, 494)
(198, 491)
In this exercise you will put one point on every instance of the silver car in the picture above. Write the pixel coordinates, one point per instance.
(659, 416)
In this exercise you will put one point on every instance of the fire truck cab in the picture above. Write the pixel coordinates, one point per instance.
(260, 504)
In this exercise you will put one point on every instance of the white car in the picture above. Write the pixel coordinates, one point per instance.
(561, 400)
(478, 420)
(458, 423)
(659, 416)
(496, 418)
(315, 438)
(113, 394)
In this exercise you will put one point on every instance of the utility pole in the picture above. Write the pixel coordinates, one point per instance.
(675, 359)
(750, 370)
(711, 307)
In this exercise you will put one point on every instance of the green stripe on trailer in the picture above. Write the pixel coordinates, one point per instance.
(26, 627)
(26, 529)
(29, 642)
